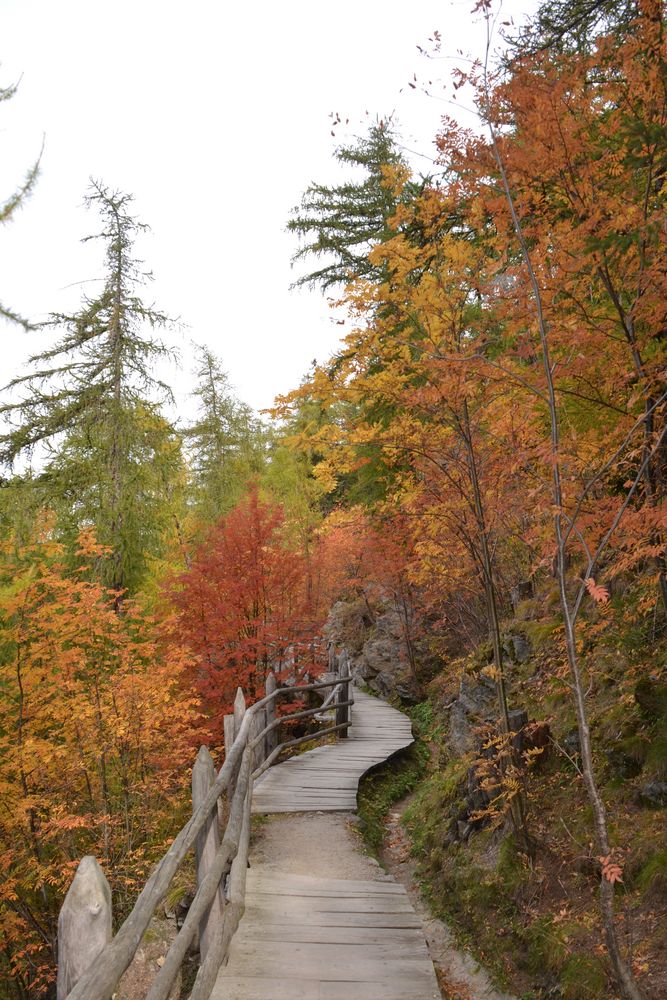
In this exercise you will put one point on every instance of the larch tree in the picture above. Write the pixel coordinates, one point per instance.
(412, 363)
(566, 25)
(341, 224)
(90, 406)
(225, 443)
(16, 199)
(241, 607)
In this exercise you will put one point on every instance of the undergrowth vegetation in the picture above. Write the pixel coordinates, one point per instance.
(534, 922)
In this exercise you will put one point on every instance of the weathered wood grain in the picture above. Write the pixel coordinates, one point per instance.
(271, 735)
(208, 843)
(327, 777)
(100, 978)
(84, 924)
(333, 914)
(312, 937)
(210, 885)
(208, 970)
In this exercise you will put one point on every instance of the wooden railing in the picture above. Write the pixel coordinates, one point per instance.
(91, 962)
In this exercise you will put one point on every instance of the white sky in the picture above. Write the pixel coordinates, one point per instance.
(215, 116)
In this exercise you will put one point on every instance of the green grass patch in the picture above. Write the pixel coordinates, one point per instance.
(391, 781)
(433, 803)
(653, 873)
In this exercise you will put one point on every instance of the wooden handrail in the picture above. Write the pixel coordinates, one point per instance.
(295, 743)
(91, 968)
(330, 698)
(307, 712)
(206, 890)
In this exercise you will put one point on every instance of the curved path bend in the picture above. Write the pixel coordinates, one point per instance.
(326, 779)
(313, 936)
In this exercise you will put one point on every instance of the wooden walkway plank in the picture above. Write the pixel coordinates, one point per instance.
(305, 937)
(310, 781)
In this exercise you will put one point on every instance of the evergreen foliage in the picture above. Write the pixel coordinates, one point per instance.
(11, 204)
(226, 443)
(342, 224)
(90, 406)
(567, 25)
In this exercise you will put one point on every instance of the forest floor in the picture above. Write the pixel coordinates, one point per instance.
(329, 845)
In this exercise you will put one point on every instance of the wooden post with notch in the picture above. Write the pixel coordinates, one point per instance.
(208, 842)
(84, 924)
(239, 711)
(342, 710)
(271, 738)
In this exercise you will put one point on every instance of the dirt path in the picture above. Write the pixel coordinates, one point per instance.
(328, 845)
(324, 844)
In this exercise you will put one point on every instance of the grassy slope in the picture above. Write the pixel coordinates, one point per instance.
(536, 926)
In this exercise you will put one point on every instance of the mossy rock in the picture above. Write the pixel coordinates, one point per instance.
(651, 696)
(539, 633)
(528, 609)
(624, 764)
(636, 746)
(481, 658)
(516, 643)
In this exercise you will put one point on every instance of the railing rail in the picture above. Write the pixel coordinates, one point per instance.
(91, 963)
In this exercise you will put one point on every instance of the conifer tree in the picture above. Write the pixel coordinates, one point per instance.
(225, 443)
(14, 202)
(573, 25)
(342, 224)
(89, 406)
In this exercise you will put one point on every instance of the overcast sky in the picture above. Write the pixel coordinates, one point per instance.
(216, 117)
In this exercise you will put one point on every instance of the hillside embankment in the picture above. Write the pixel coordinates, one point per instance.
(532, 921)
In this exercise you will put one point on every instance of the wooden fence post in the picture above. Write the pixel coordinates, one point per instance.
(228, 723)
(239, 711)
(343, 711)
(229, 740)
(271, 739)
(232, 724)
(84, 924)
(208, 842)
(258, 724)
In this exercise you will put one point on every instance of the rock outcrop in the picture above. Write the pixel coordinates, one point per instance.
(383, 648)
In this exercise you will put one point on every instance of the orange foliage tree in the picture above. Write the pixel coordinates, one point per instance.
(358, 556)
(510, 364)
(96, 734)
(243, 607)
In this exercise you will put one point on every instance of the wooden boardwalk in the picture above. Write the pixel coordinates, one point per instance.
(304, 937)
(327, 778)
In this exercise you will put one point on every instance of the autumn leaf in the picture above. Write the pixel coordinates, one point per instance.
(599, 593)
(611, 871)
